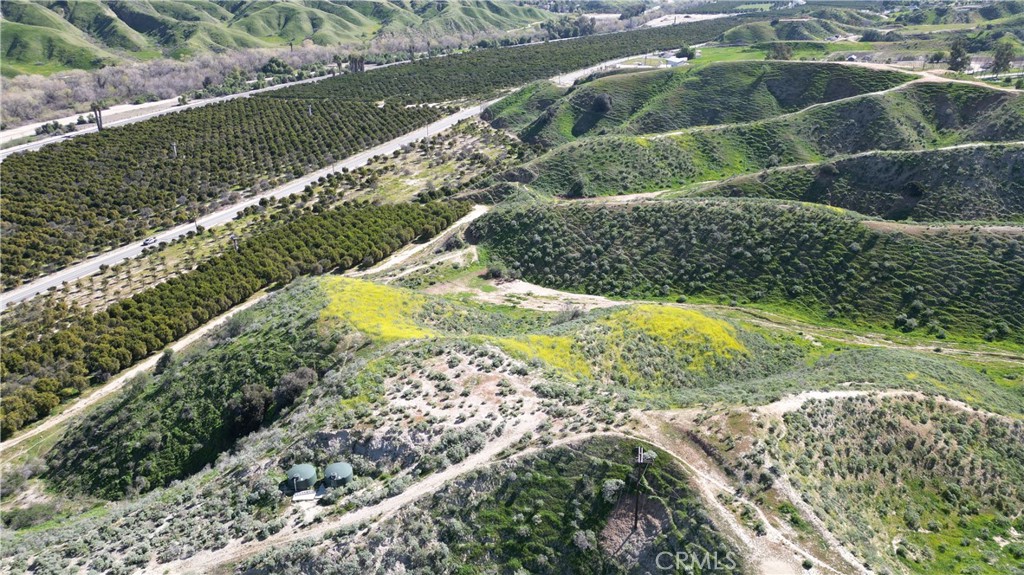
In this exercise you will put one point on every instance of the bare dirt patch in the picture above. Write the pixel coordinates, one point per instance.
(634, 546)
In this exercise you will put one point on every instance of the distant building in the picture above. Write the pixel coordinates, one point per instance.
(337, 474)
(301, 477)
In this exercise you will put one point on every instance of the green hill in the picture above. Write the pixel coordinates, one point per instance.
(941, 14)
(805, 258)
(786, 31)
(664, 100)
(984, 183)
(920, 116)
(51, 35)
(33, 37)
(171, 425)
(810, 23)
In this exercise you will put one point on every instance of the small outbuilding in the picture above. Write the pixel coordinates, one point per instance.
(337, 474)
(301, 476)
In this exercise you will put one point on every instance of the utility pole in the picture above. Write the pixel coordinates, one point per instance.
(174, 150)
(640, 465)
(309, 110)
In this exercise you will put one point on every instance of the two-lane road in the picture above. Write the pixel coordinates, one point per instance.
(220, 217)
(223, 216)
(162, 107)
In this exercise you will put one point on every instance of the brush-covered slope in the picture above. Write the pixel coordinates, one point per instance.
(50, 35)
(803, 257)
(798, 29)
(919, 116)
(912, 485)
(430, 398)
(171, 425)
(665, 100)
(980, 12)
(974, 183)
(566, 509)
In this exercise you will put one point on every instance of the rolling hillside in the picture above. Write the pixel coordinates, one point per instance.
(114, 454)
(43, 37)
(917, 117)
(418, 391)
(752, 317)
(984, 183)
(806, 258)
(788, 31)
(665, 100)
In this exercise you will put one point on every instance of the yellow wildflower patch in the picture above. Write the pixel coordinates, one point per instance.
(688, 331)
(554, 351)
(381, 312)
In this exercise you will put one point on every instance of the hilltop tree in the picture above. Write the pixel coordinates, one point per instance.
(780, 51)
(959, 60)
(1002, 57)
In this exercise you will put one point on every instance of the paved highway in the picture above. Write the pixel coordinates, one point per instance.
(220, 217)
(90, 128)
(114, 257)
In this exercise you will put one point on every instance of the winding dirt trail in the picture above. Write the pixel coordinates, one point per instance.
(207, 561)
(405, 254)
(774, 553)
(533, 296)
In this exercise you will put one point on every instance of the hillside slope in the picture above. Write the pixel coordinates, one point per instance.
(801, 257)
(918, 116)
(666, 100)
(983, 183)
(47, 36)
(908, 484)
(787, 31)
(179, 422)
(481, 435)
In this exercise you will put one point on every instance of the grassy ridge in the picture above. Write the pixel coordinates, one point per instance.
(786, 31)
(920, 116)
(794, 255)
(943, 185)
(666, 100)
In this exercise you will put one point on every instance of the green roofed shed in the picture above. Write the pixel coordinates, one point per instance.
(301, 476)
(338, 474)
